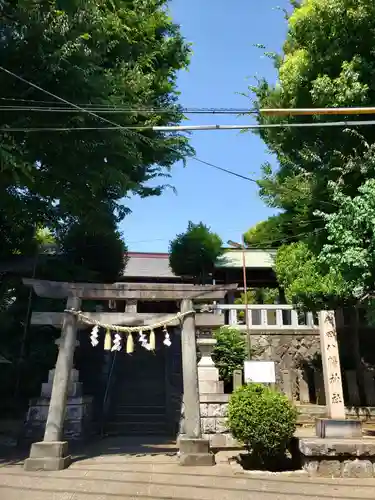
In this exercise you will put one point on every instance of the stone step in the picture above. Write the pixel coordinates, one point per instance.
(140, 410)
(138, 428)
(308, 413)
(139, 417)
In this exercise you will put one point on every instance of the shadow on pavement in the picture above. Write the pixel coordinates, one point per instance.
(125, 445)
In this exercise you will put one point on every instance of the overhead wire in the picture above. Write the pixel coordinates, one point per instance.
(121, 110)
(191, 128)
(284, 225)
(263, 246)
(131, 132)
(117, 125)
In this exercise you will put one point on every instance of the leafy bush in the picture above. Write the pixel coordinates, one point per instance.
(229, 353)
(263, 419)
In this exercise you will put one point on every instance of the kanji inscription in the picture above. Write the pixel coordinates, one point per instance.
(331, 365)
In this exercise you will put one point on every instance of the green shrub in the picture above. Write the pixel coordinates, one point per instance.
(263, 419)
(229, 353)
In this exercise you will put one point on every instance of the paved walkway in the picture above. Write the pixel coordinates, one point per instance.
(115, 469)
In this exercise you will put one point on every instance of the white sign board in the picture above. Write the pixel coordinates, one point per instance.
(261, 372)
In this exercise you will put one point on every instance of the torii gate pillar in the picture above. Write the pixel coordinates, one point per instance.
(52, 453)
(193, 449)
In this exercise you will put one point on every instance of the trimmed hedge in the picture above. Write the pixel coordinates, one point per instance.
(263, 419)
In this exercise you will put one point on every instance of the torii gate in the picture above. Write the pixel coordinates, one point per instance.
(52, 452)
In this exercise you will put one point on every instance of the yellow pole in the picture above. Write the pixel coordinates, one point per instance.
(317, 111)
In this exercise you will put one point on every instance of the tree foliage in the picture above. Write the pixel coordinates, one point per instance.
(326, 61)
(324, 175)
(195, 252)
(306, 281)
(100, 251)
(350, 246)
(122, 53)
(270, 233)
(229, 353)
(260, 296)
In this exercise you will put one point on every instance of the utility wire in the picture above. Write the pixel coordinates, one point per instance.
(190, 128)
(262, 246)
(359, 110)
(149, 141)
(121, 110)
(285, 225)
(116, 124)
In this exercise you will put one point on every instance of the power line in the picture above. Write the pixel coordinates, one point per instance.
(286, 224)
(116, 124)
(31, 84)
(360, 110)
(121, 110)
(190, 128)
(149, 141)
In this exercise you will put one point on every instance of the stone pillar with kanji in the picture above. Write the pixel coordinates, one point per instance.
(336, 425)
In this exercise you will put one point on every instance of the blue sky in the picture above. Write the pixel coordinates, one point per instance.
(223, 64)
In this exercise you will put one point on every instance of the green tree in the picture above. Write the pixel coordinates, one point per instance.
(350, 250)
(326, 62)
(122, 54)
(323, 179)
(260, 296)
(101, 252)
(269, 233)
(350, 245)
(229, 353)
(306, 281)
(195, 252)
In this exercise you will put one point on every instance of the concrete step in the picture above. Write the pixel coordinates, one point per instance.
(136, 428)
(140, 409)
(139, 417)
(308, 413)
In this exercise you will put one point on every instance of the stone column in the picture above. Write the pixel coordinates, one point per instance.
(193, 450)
(208, 374)
(131, 306)
(335, 426)
(52, 453)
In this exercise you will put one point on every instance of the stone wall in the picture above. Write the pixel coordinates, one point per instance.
(338, 457)
(298, 363)
(213, 408)
(288, 349)
(294, 354)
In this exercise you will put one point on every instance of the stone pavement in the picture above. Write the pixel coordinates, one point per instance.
(121, 468)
